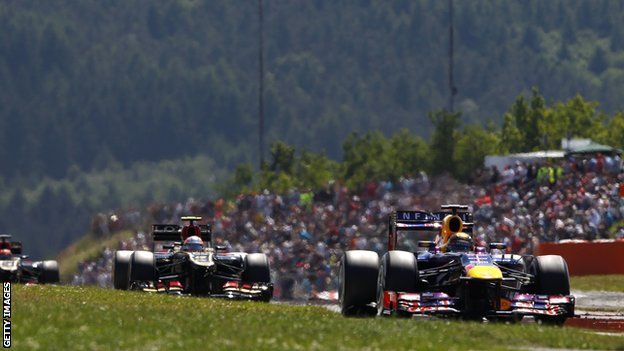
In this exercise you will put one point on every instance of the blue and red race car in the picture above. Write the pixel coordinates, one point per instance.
(451, 276)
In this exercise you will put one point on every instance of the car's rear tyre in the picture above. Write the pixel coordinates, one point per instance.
(398, 273)
(142, 267)
(49, 272)
(551, 278)
(359, 270)
(121, 268)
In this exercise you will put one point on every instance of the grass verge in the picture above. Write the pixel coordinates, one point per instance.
(598, 283)
(86, 248)
(77, 318)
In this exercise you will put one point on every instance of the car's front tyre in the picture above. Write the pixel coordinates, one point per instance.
(551, 278)
(359, 270)
(142, 267)
(121, 268)
(49, 272)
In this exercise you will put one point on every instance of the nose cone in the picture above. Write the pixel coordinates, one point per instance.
(485, 273)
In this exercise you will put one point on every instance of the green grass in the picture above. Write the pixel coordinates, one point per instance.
(87, 248)
(598, 282)
(59, 318)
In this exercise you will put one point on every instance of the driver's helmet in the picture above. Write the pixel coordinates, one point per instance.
(460, 242)
(5, 254)
(193, 243)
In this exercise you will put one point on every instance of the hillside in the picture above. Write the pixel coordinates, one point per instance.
(102, 81)
(49, 215)
(108, 104)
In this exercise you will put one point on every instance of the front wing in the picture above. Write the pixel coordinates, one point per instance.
(234, 290)
(247, 291)
(438, 303)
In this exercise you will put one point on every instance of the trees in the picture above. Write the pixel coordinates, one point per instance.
(598, 62)
(443, 140)
(472, 146)
(171, 79)
(576, 118)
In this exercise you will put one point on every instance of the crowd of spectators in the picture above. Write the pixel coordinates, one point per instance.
(305, 233)
(577, 198)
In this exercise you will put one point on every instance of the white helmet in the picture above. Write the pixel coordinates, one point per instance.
(193, 243)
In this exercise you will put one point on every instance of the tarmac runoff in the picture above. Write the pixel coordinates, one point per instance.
(596, 310)
(599, 310)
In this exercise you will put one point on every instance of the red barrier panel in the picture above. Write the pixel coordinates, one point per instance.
(611, 324)
(588, 257)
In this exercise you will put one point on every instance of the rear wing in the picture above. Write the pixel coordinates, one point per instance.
(16, 247)
(173, 232)
(421, 220)
(425, 221)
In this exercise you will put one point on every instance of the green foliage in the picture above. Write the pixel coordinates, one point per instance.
(315, 170)
(115, 82)
(282, 158)
(366, 158)
(511, 137)
(371, 156)
(443, 141)
(408, 155)
(615, 131)
(243, 176)
(598, 62)
(533, 126)
(471, 148)
(521, 124)
(286, 169)
(575, 118)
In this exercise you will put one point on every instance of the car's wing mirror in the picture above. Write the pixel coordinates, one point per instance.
(220, 248)
(429, 245)
(497, 246)
(23, 257)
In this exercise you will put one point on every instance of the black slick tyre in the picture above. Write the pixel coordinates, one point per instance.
(398, 273)
(142, 267)
(551, 278)
(359, 270)
(49, 272)
(121, 267)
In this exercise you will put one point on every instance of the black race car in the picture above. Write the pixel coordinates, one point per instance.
(17, 268)
(184, 261)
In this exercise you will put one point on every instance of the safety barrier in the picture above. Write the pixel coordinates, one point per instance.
(588, 257)
(598, 321)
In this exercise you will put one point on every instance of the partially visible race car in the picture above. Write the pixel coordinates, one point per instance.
(184, 261)
(447, 275)
(17, 268)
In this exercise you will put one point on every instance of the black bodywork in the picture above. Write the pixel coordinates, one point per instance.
(19, 269)
(210, 272)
